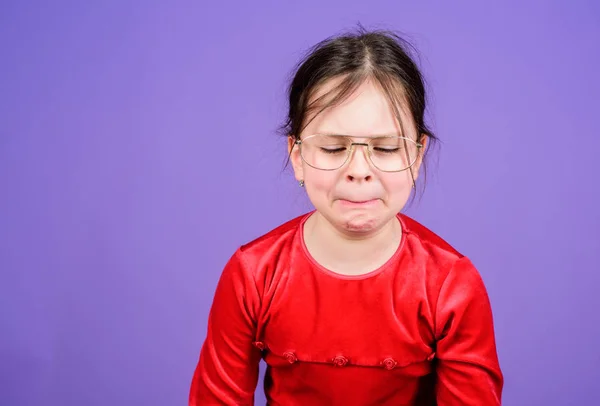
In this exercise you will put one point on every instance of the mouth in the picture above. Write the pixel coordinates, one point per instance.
(358, 202)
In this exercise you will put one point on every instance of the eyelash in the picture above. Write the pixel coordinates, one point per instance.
(332, 151)
(338, 150)
(387, 151)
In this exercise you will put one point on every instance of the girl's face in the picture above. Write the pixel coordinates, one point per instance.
(357, 199)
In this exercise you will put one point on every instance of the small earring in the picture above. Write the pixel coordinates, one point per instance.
(301, 183)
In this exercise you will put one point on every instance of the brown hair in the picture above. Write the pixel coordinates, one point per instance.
(382, 56)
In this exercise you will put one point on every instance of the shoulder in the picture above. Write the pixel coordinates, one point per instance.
(438, 259)
(252, 267)
(266, 249)
(451, 281)
(428, 242)
(278, 236)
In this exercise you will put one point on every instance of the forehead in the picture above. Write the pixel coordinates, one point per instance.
(364, 113)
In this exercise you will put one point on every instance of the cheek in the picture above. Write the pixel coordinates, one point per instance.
(319, 182)
(397, 186)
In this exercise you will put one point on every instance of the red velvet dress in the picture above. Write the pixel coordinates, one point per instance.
(416, 331)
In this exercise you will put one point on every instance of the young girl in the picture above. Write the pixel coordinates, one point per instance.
(352, 303)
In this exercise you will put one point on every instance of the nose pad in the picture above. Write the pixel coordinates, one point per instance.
(359, 167)
(362, 149)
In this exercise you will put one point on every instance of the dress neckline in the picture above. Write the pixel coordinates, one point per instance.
(363, 276)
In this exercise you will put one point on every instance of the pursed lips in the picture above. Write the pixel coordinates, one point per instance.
(359, 201)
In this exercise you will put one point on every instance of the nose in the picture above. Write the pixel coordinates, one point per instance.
(359, 167)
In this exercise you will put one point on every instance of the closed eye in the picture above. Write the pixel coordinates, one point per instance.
(333, 150)
(387, 150)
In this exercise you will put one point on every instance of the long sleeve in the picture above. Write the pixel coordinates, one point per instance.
(468, 371)
(227, 370)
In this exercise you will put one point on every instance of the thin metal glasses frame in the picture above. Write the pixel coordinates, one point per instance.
(364, 144)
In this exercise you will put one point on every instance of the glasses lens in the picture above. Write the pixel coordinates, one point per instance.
(326, 152)
(389, 154)
(392, 154)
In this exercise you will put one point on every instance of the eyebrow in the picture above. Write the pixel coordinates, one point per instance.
(338, 133)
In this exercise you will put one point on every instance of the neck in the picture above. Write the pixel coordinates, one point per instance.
(350, 254)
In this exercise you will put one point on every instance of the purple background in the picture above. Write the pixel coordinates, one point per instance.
(138, 150)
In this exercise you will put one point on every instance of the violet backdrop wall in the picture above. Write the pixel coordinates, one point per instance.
(138, 150)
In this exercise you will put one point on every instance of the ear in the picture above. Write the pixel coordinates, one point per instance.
(416, 168)
(295, 158)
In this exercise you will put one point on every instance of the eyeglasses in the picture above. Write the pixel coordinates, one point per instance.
(331, 152)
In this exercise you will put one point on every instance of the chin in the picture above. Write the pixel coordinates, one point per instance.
(360, 222)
